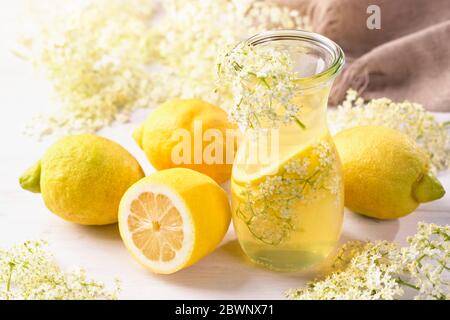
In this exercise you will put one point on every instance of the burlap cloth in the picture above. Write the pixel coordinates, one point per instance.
(408, 58)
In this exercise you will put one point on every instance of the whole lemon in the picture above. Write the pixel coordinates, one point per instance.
(385, 173)
(173, 218)
(174, 135)
(83, 177)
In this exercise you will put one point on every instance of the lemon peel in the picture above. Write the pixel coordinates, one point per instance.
(137, 135)
(158, 136)
(83, 177)
(386, 174)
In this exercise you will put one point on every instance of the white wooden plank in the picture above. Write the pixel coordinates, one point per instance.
(225, 274)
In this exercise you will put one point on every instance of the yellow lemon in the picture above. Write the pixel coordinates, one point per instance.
(385, 173)
(188, 133)
(83, 177)
(173, 218)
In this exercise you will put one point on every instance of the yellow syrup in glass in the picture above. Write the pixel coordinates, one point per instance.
(288, 204)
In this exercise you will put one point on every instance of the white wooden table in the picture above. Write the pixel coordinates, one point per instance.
(225, 274)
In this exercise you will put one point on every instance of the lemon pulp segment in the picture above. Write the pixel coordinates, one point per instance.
(156, 226)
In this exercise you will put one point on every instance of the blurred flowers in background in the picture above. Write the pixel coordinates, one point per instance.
(107, 58)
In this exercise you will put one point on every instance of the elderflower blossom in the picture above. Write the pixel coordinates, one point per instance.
(427, 261)
(111, 57)
(297, 166)
(382, 270)
(194, 34)
(410, 118)
(28, 272)
(266, 209)
(262, 83)
(95, 60)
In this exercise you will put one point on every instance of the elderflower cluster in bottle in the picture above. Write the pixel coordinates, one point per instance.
(410, 118)
(267, 207)
(28, 272)
(382, 269)
(262, 83)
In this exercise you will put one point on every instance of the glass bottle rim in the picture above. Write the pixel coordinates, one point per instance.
(337, 54)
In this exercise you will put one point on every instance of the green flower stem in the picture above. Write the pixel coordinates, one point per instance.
(301, 124)
(400, 281)
(444, 266)
(11, 269)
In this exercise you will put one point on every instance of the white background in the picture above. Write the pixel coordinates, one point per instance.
(225, 274)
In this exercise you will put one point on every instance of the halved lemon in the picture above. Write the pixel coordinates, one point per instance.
(173, 218)
(255, 173)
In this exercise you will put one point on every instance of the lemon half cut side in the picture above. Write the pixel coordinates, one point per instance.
(173, 218)
(157, 228)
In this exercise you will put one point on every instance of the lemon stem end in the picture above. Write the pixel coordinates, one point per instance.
(31, 179)
(428, 188)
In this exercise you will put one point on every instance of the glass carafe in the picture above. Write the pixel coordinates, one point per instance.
(288, 208)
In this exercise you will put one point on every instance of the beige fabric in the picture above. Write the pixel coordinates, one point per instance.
(408, 58)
